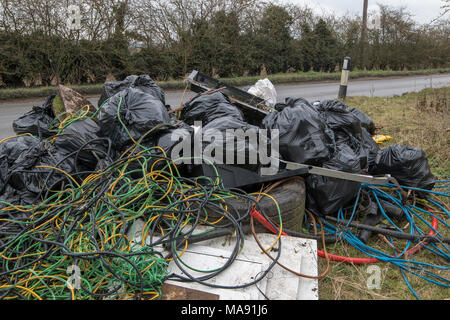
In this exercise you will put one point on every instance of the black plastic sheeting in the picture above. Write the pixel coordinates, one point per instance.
(406, 164)
(38, 121)
(304, 136)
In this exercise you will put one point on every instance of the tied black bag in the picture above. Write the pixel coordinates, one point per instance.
(366, 121)
(10, 150)
(38, 121)
(142, 82)
(81, 138)
(209, 107)
(406, 164)
(129, 114)
(325, 196)
(304, 136)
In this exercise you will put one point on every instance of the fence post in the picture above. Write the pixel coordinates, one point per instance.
(344, 78)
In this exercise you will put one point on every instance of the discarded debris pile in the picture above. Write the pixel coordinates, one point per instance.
(74, 185)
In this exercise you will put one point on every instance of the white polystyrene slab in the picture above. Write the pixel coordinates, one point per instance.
(297, 254)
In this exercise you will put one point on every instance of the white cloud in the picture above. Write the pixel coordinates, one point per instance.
(423, 11)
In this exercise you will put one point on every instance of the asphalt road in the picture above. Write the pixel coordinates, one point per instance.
(311, 91)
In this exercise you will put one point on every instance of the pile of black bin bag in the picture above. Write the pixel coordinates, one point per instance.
(128, 109)
(332, 135)
(327, 134)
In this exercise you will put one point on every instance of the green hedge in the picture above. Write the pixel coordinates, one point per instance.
(95, 89)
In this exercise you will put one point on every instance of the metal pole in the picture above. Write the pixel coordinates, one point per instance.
(344, 78)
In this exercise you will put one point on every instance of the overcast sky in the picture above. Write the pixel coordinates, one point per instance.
(423, 10)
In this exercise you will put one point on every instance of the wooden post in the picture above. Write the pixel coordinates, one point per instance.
(364, 34)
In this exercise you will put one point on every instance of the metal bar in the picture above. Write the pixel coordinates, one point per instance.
(339, 174)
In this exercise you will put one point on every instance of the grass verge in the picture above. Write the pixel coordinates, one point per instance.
(94, 89)
(422, 120)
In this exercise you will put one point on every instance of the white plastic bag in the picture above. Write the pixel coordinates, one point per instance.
(265, 90)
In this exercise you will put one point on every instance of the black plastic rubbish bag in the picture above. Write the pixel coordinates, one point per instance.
(3, 171)
(229, 140)
(38, 121)
(130, 114)
(304, 136)
(366, 121)
(208, 107)
(81, 138)
(406, 164)
(171, 136)
(10, 150)
(13, 147)
(158, 149)
(10, 195)
(16, 197)
(33, 172)
(370, 149)
(142, 82)
(338, 117)
(357, 144)
(325, 196)
(348, 129)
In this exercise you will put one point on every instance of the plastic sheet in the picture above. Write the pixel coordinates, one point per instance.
(265, 90)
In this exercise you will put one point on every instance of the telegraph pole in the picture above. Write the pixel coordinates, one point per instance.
(364, 33)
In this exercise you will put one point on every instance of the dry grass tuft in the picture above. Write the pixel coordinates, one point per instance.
(420, 119)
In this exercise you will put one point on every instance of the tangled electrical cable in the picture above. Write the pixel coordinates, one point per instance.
(414, 211)
(77, 240)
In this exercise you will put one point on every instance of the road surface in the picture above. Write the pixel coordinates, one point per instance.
(310, 91)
